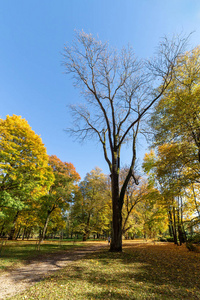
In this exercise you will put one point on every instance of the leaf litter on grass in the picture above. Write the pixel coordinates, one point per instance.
(146, 271)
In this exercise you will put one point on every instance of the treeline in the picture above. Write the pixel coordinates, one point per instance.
(35, 189)
(173, 165)
(91, 211)
(42, 196)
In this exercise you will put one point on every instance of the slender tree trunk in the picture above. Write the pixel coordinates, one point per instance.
(45, 226)
(173, 229)
(23, 234)
(18, 233)
(2, 229)
(182, 226)
(195, 200)
(179, 224)
(12, 231)
(86, 233)
(174, 225)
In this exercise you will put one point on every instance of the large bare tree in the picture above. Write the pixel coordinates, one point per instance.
(118, 90)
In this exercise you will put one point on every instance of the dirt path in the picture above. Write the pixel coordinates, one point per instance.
(17, 280)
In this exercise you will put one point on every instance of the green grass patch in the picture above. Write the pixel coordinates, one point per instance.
(141, 271)
(16, 253)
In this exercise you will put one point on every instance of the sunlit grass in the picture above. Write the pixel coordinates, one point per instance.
(16, 253)
(142, 271)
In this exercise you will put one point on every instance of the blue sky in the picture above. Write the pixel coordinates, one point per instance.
(32, 79)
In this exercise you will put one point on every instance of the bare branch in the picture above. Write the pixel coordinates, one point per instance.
(130, 172)
(118, 90)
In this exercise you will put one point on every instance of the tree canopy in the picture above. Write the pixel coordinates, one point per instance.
(61, 191)
(176, 117)
(24, 169)
(91, 209)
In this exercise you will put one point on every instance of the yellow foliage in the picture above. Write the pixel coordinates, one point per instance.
(23, 159)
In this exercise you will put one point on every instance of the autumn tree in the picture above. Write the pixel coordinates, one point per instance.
(143, 214)
(176, 125)
(56, 224)
(118, 89)
(24, 171)
(135, 191)
(154, 219)
(176, 116)
(92, 205)
(193, 204)
(172, 178)
(61, 191)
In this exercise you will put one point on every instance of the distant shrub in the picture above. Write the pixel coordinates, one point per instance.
(193, 242)
(166, 239)
(170, 239)
(162, 239)
(194, 239)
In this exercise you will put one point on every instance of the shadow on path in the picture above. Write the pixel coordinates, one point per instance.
(19, 279)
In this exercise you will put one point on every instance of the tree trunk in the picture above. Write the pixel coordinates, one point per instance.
(172, 225)
(116, 237)
(2, 229)
(170, 230)
(87, 231)
(24, 233)
(12, 231)
(85, 237)
(28, 234)
(45, 226)
(18, 233)
(175, 229)
(195, 201)
(180, 235)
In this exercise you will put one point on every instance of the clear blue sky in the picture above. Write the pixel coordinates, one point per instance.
(32, 79)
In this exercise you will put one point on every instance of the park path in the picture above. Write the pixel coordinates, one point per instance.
(19, 279)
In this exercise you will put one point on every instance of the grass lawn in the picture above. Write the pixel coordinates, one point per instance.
(16, 253)
(141, 271)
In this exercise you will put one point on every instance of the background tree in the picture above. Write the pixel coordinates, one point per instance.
(143, 213)
(176, 117)
(92, 205)
(57, 224)
(176, 125)
(153, 215)
(61, 191)
(134, 194)
(24, 171)
(174, 182)
(118, 91)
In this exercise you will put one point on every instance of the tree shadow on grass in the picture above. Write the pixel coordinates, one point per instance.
(141, 271)
(146, 272)
(25, 253)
